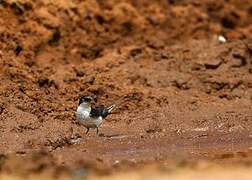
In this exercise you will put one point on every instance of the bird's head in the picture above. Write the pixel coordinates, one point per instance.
(85, 100)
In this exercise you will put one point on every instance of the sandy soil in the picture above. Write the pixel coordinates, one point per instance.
(191, 94)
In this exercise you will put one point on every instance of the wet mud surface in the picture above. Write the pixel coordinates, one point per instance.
(191, 94)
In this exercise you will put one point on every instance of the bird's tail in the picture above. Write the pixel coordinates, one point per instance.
(117, 103)
(110, 108)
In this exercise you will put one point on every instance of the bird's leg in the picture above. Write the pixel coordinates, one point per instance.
(97, 130)
(87, 130)
(72, 133)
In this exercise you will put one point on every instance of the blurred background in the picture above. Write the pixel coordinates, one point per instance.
(186, 64)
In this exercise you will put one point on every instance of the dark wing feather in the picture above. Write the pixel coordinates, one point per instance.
(99, 111)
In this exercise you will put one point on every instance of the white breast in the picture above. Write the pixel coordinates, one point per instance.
(83, 116)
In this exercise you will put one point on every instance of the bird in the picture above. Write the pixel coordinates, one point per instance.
(91, 117)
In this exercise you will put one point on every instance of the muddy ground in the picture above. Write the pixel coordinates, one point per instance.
(191, 94)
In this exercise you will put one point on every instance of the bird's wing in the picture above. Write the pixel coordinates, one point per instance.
(105, 111)
(99, 111)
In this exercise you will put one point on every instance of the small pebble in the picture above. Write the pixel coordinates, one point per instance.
(222, 39)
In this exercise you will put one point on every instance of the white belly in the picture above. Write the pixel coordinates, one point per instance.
(84, 119)
(92, 122)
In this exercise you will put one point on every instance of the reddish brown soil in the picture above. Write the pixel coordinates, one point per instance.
(192, 95)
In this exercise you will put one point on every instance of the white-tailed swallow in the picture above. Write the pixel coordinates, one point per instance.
(91, 117)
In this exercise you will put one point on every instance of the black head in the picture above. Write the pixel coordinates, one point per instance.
(86, 99)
